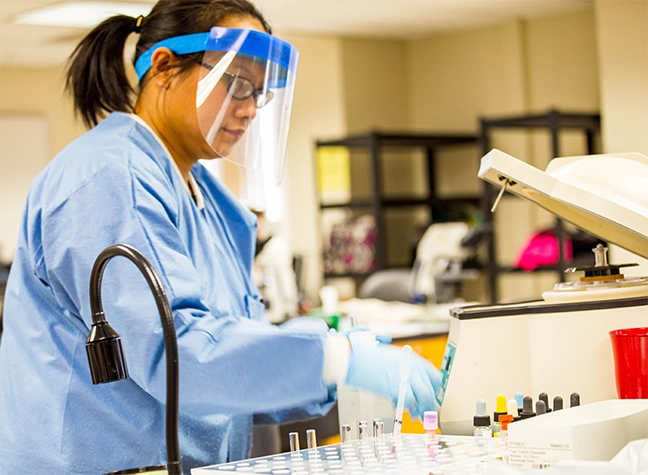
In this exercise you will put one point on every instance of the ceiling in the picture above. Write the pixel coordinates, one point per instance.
(38, 46)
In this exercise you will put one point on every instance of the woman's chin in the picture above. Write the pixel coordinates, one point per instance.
(221, 151)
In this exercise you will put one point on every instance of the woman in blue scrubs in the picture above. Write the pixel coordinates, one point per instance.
(135, 179)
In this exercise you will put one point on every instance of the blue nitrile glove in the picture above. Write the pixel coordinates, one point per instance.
(365, 328)
(375, 367)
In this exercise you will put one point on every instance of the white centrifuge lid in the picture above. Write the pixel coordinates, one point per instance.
(605, 195)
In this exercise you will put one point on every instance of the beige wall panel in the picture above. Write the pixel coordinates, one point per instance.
(562, 63)
(37, 123)
(24, 151)
(375, 84)
(622, 33)
(456, 78)
(40, 91)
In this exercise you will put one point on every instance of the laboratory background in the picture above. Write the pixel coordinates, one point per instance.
(384, 212)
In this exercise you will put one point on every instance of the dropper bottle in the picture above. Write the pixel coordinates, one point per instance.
(500, 410)
(482, 421)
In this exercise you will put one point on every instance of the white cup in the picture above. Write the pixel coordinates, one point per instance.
(329, 297)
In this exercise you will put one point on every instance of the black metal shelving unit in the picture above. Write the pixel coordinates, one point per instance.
(375, 143)
(553, 121)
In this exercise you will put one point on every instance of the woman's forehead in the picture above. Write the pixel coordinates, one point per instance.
(241, 63)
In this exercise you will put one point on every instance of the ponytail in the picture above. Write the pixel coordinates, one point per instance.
(96, 77)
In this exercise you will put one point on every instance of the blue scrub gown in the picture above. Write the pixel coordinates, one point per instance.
(117, 184)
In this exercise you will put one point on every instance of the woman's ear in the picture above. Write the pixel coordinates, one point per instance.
(163, 62)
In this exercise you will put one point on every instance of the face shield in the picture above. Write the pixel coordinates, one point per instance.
(244, 93)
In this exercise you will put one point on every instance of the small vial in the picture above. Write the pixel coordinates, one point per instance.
(544, 397)
(378, 428)
(311, 439)
(363, 429)
(574, 400)
(294, 441)
(431, 424)
(505, 421)
(527, 408)
(345, 433)
(557, 403)
(500, 410)
(482, 421)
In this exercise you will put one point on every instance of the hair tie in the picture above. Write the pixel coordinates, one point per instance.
(138, 24)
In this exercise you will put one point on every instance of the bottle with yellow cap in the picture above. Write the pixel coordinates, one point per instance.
(500, 410)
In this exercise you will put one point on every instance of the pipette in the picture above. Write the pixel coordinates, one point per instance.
(404, 373)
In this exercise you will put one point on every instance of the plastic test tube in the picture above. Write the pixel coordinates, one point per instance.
(345, 433)
(404, 373)
(294, 441)
(431, 424)
(505, 420)
(311, 439)
(378, 428)
(363, 429)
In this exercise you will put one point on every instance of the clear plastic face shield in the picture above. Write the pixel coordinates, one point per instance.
(244, 93)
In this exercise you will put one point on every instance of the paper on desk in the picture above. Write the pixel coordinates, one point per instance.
(631, 460)
(369, 311)
(400, 319)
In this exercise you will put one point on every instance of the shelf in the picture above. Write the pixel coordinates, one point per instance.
(399, 140)
(369, 172)
(513, 269)
(353, 275)
(348, 204)
(561, 120)
(404, 202)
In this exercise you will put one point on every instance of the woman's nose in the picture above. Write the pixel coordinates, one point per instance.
(246, 108)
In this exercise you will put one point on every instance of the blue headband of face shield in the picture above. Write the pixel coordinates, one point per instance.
(259, 46)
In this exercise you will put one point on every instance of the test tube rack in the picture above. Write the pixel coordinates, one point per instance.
(405, 454)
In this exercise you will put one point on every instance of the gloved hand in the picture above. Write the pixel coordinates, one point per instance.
(375, 367)
(365, 328)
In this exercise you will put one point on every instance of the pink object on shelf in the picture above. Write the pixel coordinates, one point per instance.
(542, 250)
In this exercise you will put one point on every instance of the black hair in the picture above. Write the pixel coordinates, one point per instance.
(96, 76)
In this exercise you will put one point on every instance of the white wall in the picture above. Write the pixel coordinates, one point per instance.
(622, 34)
(37, 122)
(24, 151)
